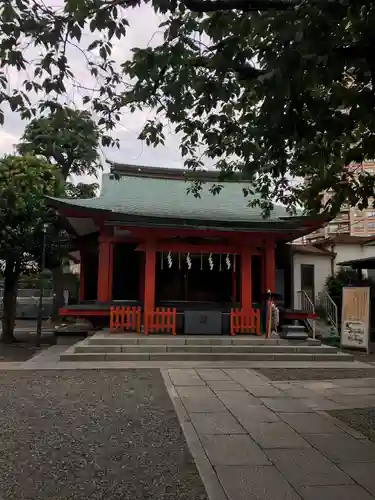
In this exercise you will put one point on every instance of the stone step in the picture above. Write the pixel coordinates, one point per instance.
(103, 338)
(104, 348)
(70, 355)
(294, 335)
(296, 328)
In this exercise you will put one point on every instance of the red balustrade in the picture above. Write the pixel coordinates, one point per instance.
(160, 320)
(245, 321)
(125, 319)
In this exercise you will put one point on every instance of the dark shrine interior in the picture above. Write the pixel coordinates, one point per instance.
(127, 272)
(197, 284)
(177, 283)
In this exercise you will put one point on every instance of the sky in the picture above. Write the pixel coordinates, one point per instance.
(143, 31)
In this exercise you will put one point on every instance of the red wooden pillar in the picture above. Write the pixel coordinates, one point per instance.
(105, 270)
(82, 277)
(149, 286)
(246, 281)
(270, 266)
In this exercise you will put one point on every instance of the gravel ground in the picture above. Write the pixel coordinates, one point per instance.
(361, 419)
(92, 435)
(315, 373)
(25, 348)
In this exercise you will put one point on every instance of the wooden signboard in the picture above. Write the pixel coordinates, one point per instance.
(355, 322)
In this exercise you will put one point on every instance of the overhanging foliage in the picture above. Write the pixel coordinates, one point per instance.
(277, 89)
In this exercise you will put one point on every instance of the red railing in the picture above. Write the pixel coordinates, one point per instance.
(160, 320)
(123, 318)
(245, 321)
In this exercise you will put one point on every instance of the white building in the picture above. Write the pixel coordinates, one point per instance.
(314, 263)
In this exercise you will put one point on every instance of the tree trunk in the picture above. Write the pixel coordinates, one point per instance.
(58, 290)
(11, 279)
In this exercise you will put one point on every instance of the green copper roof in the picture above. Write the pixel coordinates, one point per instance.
(168, 198)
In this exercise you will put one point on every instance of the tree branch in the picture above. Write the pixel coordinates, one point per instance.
(244, 71)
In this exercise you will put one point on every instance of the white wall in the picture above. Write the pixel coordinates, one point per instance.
(345, 252)
(322, 269)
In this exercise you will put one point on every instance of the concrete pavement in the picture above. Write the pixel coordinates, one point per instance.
(255, 439)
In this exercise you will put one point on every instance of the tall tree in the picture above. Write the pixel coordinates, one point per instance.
(278, 89)
(24, 182)
(278, 95)
(68, 138)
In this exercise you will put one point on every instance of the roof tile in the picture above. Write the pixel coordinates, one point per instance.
(168, 198)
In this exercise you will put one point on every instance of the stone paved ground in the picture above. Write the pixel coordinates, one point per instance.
(92, 435)
(316, 373)
(254, 439)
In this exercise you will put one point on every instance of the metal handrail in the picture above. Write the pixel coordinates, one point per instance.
(330, 308)
(306, 304)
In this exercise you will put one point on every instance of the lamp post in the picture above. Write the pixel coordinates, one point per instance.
(40, 305)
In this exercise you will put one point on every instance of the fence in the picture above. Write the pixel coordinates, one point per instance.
(28, 303)
(245, 321)
(125, 319)
(29, 293)
(160, 320)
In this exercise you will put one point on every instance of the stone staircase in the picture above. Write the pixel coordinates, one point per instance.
(104, 346)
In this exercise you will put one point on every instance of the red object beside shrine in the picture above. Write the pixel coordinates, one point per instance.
(160, 320)
(245, 321)
(124, 319)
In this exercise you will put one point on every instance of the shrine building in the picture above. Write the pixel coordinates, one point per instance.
(149, 247)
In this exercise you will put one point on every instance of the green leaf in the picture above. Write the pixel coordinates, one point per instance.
(276, 93)
(76, 32)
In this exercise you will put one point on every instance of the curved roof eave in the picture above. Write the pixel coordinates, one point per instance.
(298, 224)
